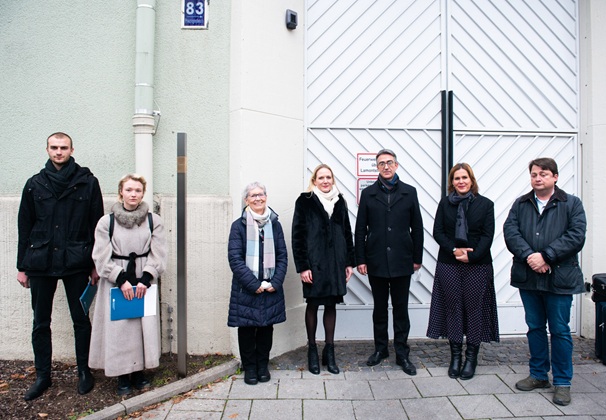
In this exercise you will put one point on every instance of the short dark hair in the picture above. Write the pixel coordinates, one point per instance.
(547, 164)
(61, 135)
(386, 152)
(465, 166)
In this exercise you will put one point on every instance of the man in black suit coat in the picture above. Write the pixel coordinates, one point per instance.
(389, 248)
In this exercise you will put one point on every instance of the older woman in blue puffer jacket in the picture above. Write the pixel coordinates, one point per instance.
(258, 259)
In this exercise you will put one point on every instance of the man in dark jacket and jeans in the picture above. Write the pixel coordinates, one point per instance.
(545, 230)
(389, 248)
(59, 210)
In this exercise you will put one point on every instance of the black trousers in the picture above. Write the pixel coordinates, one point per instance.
(381, 288)
(43, 291)
(255, 344)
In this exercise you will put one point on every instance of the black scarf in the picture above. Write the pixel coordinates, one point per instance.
(388, 185)
(59, 179)
(461, 224)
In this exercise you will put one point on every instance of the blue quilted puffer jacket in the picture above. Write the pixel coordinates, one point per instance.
(247, 308)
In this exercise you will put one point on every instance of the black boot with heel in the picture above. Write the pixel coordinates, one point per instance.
(313, 362)
(456, 359)
(471, 361)
(328, 359)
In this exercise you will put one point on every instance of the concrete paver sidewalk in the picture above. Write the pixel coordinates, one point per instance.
(380, 392)
(389, 394)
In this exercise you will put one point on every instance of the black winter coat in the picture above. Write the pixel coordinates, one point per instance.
(558, 234)
(56, 234)
(389, 231)
(322, 245)
(480, 230)
(247, 308)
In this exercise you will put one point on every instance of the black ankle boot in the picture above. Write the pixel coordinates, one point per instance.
(456, 359)
(139, 380)
(124, 386)
(86, 381)
(328, 358)
(313, 363)
(471, 361)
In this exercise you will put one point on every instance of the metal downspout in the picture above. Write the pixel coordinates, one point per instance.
(143, 119)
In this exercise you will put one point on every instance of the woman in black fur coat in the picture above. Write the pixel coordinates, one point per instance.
(323, 251)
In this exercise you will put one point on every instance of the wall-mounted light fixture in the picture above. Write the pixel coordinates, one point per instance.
(291, 19)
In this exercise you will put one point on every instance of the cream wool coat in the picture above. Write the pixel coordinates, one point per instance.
(129, 345)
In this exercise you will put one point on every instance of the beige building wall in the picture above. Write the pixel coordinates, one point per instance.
(266, 128)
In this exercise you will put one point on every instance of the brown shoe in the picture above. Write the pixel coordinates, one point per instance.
(562, 395)
(531, 383)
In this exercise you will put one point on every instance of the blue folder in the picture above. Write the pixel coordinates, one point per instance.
(120, 308)
(86, 300)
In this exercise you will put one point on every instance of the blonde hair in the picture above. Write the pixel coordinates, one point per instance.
(314, 176)
(134, 177)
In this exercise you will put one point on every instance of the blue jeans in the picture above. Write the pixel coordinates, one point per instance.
(542, 309)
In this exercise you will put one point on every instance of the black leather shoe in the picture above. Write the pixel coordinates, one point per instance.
(139, 381)
(407, 366)
(37, 389)
(263, 374)
(250, 377)
(376, 358)
(86, 381)
(124, 386)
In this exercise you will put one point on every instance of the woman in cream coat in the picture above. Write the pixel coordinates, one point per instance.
(127, 347)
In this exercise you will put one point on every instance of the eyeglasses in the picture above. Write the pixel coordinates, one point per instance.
(389, 163)
(256, 196)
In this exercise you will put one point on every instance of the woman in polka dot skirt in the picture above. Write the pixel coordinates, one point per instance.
(463, 301)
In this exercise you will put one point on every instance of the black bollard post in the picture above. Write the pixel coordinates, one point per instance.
(181, 254)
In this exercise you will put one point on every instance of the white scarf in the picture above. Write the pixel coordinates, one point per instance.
(254, 223)
(329, 199)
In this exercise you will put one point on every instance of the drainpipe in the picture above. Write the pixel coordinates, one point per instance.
(143, 119)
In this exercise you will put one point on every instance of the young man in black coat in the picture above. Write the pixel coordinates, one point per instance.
(59, 210)
(389, 248)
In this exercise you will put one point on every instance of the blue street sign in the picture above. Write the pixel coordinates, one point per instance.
(195, 14)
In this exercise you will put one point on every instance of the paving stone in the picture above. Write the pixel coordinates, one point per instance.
(366, 375)
(480, 383)
(202, 405)
(384, 410)
(193, 415)
(584, 404)
(348, 390)
(529, 404)
(439, 387)
(328, 410)
(237, 409)
(479, 407)
(394, 389)
(218, 390)
(430, 408)
(276, 410)
(301, 389)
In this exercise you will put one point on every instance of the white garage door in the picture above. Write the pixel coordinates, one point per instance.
(375, 75)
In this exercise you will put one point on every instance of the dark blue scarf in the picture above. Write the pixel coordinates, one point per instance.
(461, 224)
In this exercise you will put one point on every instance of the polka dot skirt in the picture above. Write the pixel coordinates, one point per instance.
(463, 303)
